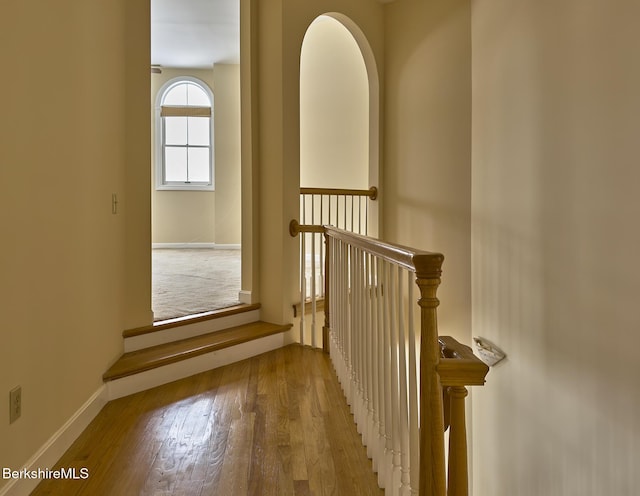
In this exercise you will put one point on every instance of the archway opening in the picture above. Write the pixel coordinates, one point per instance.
(334, 108)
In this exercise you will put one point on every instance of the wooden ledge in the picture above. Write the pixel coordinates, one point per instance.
(308, 307)
(458, 365)
(150, 358)
(162, 325)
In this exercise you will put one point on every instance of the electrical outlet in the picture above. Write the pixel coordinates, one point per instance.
(15, 404)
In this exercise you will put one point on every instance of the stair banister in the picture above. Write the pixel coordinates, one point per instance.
(341, 207)
(406, 384)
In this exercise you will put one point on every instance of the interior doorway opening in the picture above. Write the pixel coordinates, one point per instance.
(196, 215)
(338, 162)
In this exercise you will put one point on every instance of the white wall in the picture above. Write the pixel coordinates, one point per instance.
(280, 27)
(426, 185)
(556, 279)
(334, 108)
(226, 81)
(68, 141)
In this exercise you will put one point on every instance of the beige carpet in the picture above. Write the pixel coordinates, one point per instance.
(189, 281)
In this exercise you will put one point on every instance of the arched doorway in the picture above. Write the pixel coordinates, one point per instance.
(338, 148)
(334, 108)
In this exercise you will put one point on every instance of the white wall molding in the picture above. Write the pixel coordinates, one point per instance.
(49, 454)
(226, 247)
(181, 246)
(158, 337)
(245, 297)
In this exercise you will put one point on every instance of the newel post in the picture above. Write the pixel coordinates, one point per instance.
(458, 470)
(432, 461)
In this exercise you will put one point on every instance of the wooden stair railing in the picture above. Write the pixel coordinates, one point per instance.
(396, 372)
(344, 208)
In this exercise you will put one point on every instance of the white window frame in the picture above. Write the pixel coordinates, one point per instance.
(161, 184)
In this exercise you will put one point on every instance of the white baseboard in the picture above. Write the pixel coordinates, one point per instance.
(185, 246)
(226, 246)
(49, 454)
(157, 337)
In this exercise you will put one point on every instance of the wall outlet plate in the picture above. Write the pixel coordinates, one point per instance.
(15, 404)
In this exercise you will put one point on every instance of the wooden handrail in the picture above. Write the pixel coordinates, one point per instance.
(424, 263)
(372, 192)
(296, 228)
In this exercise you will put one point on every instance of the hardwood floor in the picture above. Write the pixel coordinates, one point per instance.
(276, 424)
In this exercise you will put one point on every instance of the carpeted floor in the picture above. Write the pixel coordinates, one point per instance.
(190, 281)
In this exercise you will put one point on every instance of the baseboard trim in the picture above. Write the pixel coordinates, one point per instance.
(49, 454)
(186, 246)
(161, 336)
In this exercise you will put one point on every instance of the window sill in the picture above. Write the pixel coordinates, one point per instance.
(185, 187)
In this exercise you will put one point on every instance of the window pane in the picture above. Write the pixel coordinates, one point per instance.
(176, 95)
(175, 130)
(196, 96)
(175, 164)
(199, 165)
(199, 131)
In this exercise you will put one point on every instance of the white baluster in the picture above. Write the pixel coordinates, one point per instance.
(388, 402)
(303, 284)
(369, 355)
(313, 289)
(402, 382)
(414, 433)
(382, 373)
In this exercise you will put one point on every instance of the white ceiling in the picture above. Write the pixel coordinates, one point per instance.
(195, 33)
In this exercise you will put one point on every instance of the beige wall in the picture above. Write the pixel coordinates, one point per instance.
(281, 25)
(67, 145)
(204, 216)
(427, 172)
(556, 279)
(334, 109)
(226, 82)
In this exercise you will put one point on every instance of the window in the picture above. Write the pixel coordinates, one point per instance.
(184, 155)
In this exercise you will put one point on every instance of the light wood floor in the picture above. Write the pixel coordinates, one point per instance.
(276, 424)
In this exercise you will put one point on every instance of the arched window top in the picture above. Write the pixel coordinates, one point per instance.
(187, 94)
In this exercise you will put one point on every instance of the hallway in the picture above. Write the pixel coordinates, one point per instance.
(276, 424)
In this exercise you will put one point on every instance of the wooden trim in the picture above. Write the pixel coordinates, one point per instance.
(164, 354)
(184, 111)
(372, 192)
(308, 307)
(458, 365)
(432, 455)
(190, 319)
(296, 228)
(458, 471)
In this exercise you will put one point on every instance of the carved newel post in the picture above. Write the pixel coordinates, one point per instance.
(432, 462)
